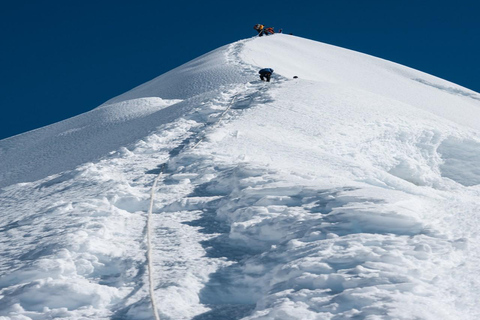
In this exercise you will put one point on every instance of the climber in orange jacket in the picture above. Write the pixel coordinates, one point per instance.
(259, 28)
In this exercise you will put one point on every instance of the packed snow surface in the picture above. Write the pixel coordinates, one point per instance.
(352, 192)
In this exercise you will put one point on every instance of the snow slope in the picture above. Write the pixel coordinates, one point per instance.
(349, 193)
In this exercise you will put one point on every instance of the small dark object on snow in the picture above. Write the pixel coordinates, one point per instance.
(265, 74)
(295, 77)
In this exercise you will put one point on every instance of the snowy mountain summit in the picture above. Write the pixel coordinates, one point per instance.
(350, 192)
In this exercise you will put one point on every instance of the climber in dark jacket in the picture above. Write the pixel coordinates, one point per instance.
(265, 74)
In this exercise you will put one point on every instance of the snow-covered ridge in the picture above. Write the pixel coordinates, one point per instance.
(349, 193)
(66, 144)
(325, 63)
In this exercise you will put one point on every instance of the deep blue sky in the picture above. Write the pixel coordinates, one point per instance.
(62, 58)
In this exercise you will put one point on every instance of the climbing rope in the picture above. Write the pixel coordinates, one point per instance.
(149, 218)
(149, 246)
(218, 120)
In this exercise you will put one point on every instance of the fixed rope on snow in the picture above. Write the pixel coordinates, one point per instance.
(218, 120)
(149, 245)
(149, 218)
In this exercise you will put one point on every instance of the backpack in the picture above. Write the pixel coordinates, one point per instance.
(266, 70)
(269, 30)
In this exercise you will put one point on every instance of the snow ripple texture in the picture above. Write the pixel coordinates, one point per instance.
(349, 193)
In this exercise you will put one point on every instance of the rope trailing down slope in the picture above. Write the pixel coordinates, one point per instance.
(149, 218)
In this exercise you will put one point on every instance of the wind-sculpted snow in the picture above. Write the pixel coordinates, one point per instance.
(461, 159)
(338, 195)
(89, 136)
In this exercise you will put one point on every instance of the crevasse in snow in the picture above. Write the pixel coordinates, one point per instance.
(350, 192)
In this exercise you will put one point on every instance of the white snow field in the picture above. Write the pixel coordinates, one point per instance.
(352, 192)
